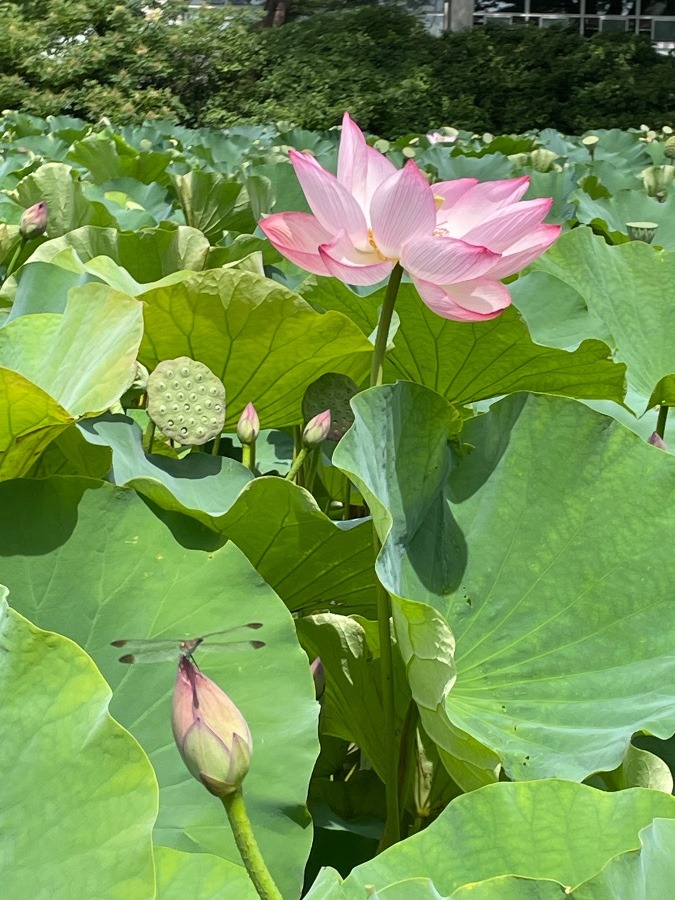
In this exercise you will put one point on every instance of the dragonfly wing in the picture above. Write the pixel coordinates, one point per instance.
(210, 646)
(148, 651)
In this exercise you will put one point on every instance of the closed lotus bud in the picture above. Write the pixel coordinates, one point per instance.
(248, 427)
(656, 440)
(33, 222)
(319, 676)
(316, 430)
(211, 734)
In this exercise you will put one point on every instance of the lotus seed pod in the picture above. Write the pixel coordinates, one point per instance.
(33, 222)
(642, 231)
(331, 391)
(186, 401)
(667, 129)
(669, 148)
(590, 140)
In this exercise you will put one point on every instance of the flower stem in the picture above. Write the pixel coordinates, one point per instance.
(248, 456)
(248, 847)
(392, 831)
(297, 464)
(216, 446)
(661, 421)
(15, 257)
(382, 335)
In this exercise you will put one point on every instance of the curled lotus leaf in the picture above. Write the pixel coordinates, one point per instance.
(331, 391)
(186, 401)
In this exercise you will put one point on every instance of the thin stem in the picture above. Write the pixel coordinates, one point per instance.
(248, 456)
(151, 436)
(17, 253)
(216, 446)
(297, 464)
(392, 830)
(382, 336)
(248, 847)
(661, 421)
(346, 499)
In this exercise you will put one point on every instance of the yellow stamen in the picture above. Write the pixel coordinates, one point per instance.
(439, 200)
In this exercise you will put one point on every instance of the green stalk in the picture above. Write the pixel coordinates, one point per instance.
(661, 421)
(248, 456)
(382, 335)
(297, 464)
(392, 829)
(151, 436)
(216, 445)
(248, 847)
(17, 253)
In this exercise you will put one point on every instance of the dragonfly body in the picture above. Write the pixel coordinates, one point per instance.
(163, 649)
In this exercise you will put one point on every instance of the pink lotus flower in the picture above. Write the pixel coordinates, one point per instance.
(455, 239)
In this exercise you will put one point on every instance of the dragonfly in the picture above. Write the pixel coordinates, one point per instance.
(154, 650)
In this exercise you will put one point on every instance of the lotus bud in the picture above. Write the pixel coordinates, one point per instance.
(248, 427)
(641, 231)
(211, 734)
(542, 160)
(33, 222)
(656, 440)
(669, 148)
(319, 676)
(316, 430)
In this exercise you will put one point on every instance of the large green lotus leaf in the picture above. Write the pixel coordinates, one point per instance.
(530, 548)
(84, 358)
(79, 797)
(31, 420)
(637, 874)
(547, 830)
(199, 485)
(214, 203)
(43, 287)
(153, 198)
(556, 313)
(309, 560)
(67, 206)
(469, 362)
(147, 255)
(200, 876)
(72, 454)
(101, 157)
(627, 288)
(264, 342)
(140, 582)
(612, 214)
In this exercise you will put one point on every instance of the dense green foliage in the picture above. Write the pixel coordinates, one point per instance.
(94, 58)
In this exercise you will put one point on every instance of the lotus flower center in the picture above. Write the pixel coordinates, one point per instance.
(439, 201)
(380, 254)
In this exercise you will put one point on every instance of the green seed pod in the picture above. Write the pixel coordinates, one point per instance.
(186, 401)
(331, 391)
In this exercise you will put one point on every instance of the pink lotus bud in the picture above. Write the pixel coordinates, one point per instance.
(657, 441)
(319, 676)
(33, 222)
(248, 427)
(316, 430)
(211, 734)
